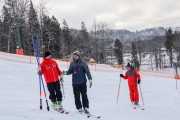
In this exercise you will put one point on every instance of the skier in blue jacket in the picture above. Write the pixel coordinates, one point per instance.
(79, 69)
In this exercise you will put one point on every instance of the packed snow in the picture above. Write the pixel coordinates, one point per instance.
(19, 94)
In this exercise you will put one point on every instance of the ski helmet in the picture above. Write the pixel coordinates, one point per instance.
(76, 53)
(47, 53)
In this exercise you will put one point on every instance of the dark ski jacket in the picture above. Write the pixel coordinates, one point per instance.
(79, 69)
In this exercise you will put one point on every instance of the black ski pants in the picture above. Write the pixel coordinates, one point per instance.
(80, 91)
(54, 91)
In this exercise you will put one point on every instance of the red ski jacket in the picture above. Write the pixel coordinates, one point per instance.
(132, 76)
(50, 70)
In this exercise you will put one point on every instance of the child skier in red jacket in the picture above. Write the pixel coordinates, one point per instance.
(132, 75)
(51, 72)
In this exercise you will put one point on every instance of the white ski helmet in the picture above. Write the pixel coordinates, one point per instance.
(76, 53)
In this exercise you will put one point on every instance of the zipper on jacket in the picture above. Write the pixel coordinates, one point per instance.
(53, 74)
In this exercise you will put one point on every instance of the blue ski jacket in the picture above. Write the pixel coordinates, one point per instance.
(79, 69)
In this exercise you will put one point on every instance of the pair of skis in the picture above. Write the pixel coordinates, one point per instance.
(62, 111)
(89, 115)
(36, 47)
(138, 106)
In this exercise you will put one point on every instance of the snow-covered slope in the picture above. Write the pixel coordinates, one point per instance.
(19, 94)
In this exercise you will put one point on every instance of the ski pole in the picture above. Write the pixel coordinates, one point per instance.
(62, 88)
(37, 41)
(118, 90)
(141, 95)
(44, 93)
(40, 94)
(176, 83)
(175, 74)
(35, 51)
(119, 86)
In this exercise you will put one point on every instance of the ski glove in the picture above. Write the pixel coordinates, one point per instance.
(39, 70)
(64, 72)
(39, 73)
(90, 83)
(139, 81)
(121, 75)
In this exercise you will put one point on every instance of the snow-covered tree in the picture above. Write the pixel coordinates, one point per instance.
(169, 44)
(134, 58)
(67, 39)
(84, 42)
(118, 51)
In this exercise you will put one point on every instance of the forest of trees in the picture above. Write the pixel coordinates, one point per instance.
(20, 20)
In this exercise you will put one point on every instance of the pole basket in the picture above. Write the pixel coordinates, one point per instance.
(19, 52)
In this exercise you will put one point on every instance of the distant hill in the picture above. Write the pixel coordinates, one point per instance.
(142, 34)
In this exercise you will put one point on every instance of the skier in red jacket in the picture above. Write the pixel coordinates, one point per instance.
(51, 72)
(132, 75)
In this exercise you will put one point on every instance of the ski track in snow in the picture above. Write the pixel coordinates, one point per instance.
(19, 96)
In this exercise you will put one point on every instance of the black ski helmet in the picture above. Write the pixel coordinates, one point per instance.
(47, 53)
(128, 65)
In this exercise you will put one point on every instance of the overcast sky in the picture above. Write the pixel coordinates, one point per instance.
(119, 14)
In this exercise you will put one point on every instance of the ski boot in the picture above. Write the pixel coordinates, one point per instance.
(136, 103)
(86, 110)
(54, 104)
(80, 110)
(58, 105)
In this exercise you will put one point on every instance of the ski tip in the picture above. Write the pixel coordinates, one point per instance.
(66, 112)
(61, 111)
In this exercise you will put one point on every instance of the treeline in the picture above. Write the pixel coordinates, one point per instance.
(20, 20)
(158, 48)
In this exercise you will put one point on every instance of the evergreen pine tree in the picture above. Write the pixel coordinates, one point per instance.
(84, 42)
(6, 30)
(67, 39)
(33, 26)
(134, 60)
(51, 35)
(1, 33)
(169, 44)
(47, 38)
(55, 34)
(33, 21)
(118, 51)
